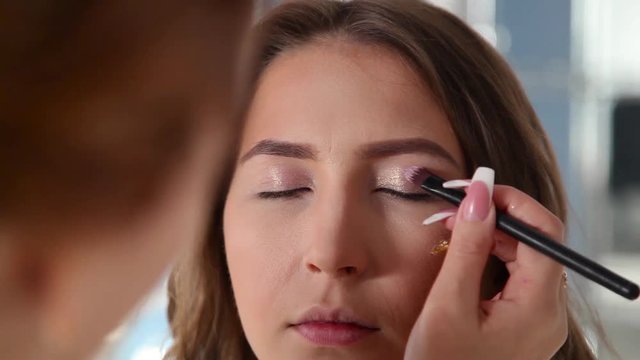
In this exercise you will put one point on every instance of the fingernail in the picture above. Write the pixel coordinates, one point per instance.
(439, 216)
(454, 184)
(477, 203)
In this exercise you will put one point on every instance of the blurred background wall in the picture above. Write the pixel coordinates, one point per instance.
(579, 62)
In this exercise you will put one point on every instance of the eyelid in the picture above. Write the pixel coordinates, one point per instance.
(283, 178)
(399, 184)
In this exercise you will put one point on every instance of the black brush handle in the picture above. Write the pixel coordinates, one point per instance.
(545, 245)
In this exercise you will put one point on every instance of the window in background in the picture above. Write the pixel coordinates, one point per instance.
(624, 182)
(145, 335)
(605, 148)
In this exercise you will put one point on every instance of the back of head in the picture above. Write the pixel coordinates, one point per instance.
(99, 101)
(115, 121)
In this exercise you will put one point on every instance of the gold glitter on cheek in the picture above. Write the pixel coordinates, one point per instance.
(440, 247)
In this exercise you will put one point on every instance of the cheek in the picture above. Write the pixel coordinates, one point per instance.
(261, 261)
(412, 243)
(412, 267)
(256, 245)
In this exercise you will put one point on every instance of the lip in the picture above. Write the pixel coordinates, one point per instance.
(332, 327)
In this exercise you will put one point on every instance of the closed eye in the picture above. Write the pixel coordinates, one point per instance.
(284, 194)
(421, 196)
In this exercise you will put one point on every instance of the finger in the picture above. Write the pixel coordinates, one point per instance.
(522, 207)
(526, 209)
(471, 242)
(534, 277)
(504, 246)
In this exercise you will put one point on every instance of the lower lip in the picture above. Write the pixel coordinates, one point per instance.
(332, 333)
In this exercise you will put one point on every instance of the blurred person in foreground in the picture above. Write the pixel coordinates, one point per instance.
(115, 128)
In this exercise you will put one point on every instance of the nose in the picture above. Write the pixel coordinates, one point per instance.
(337, 237)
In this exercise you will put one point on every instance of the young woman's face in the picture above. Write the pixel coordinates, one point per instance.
(323, 236)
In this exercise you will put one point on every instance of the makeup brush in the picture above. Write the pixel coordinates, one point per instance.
(532, 238)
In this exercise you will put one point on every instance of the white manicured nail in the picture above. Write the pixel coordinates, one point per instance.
(486, 175)
(439, 216)
(455, 184)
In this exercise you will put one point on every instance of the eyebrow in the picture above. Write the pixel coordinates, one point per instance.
(369, 151)
(280, 148)
(406, 146)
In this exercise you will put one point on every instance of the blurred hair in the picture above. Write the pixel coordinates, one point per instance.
(64, 156)
(488, 110)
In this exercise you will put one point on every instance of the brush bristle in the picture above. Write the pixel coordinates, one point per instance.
(416, 175)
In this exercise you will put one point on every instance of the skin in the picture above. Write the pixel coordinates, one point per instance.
(287, 255)
(66, 281)
(313, 226)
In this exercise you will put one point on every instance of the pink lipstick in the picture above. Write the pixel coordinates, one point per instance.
(332, 327)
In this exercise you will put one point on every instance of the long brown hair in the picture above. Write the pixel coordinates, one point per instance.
(488, 110)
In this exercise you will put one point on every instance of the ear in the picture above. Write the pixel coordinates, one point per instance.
(23, 269)
(23, 284)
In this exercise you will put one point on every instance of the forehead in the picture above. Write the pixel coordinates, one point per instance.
(336, 93)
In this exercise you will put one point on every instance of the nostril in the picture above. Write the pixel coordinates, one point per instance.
(313, 268)
(345, 270)
(350, 270)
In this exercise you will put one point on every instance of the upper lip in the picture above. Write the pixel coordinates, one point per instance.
(335, 315)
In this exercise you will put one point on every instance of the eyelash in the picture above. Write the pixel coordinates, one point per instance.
(407, 196)
(291, 194)
(298, 192)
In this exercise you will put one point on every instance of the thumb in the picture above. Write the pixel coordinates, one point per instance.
(471, 242)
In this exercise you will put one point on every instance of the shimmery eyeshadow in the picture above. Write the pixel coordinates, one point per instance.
(394, 178)
(279, 178)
